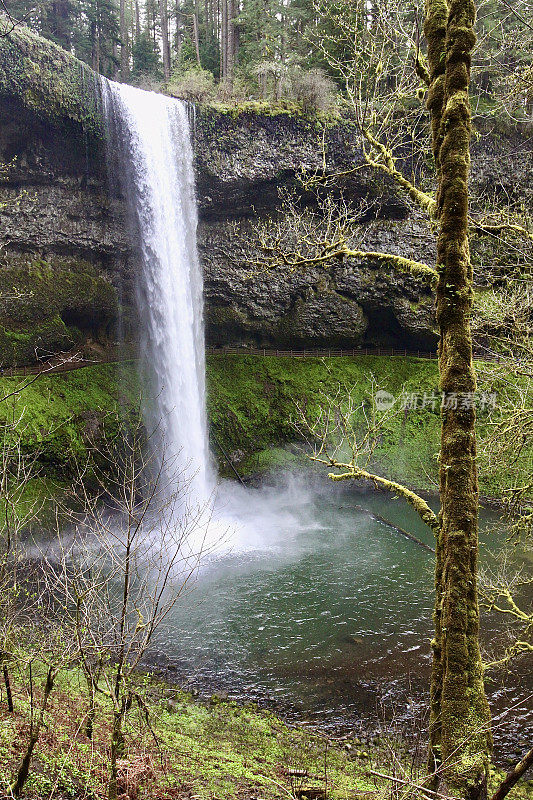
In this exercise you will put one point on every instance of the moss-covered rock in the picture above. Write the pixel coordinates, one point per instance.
(60, 413)
(51, 305)
(50, 83)
(253, 402)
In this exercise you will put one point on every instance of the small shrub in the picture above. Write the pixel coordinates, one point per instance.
(235, 91)
(195, 85)
(313, 90)
(150, 83)
(272, 79)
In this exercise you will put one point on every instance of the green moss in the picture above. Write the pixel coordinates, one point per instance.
(46, 304)
(32, 289)
(59, 412)
(210, 749)
(272, 458)
(252, 401)
(283, 110)
(207, 749)
(263, 107)
(24, 346)
(51, 82)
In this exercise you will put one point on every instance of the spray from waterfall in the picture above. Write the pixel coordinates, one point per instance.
(153, 163)
(153, 166)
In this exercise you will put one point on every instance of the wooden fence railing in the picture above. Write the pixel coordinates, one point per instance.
(72, 361)
(333, 352)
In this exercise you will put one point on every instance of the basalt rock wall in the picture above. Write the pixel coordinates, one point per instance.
(68, 261)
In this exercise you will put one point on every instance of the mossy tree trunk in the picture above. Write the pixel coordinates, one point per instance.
(23, 770)
(460, 722)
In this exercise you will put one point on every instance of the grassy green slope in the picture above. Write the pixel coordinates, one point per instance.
(56, 413)
(205, 750)
(252, 401)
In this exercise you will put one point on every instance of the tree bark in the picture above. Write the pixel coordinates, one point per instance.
(60, 22)
(9, 695)
(24, 768)
(95, 47)
(124, 60)
(116, 70)
(163, 11)
(514, 776)
(460, 739)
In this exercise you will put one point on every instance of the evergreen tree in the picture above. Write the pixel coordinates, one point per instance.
(146, 59)
(96, 35)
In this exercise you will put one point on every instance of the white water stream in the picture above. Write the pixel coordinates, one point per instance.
(154, 166)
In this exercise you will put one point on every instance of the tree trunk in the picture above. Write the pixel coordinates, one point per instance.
(9, 695)
(60, 22)
(137, 21)
(124, 61)
(231, 40)
(460, 738)
(91, 711)
(163, 11)
(179, 38)
(95, 47)
(24, 768)
(224, 39)
(196, 39)
(117, 751)
(115, 71)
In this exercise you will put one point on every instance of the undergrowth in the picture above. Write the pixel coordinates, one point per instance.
(209, 749)
(252, 404)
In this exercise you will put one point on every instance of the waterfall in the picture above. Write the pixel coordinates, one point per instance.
(153, 165)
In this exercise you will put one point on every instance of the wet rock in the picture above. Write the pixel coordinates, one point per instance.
(67, 211)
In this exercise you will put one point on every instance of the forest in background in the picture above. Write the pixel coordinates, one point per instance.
(276, 50)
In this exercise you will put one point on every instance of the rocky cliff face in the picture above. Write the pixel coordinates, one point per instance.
(66, 254)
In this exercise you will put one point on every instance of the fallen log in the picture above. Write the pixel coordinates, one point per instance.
(397, 528)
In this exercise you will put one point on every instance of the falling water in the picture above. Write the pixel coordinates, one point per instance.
(153, 163)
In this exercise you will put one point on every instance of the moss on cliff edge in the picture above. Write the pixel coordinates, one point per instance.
(49, 81)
